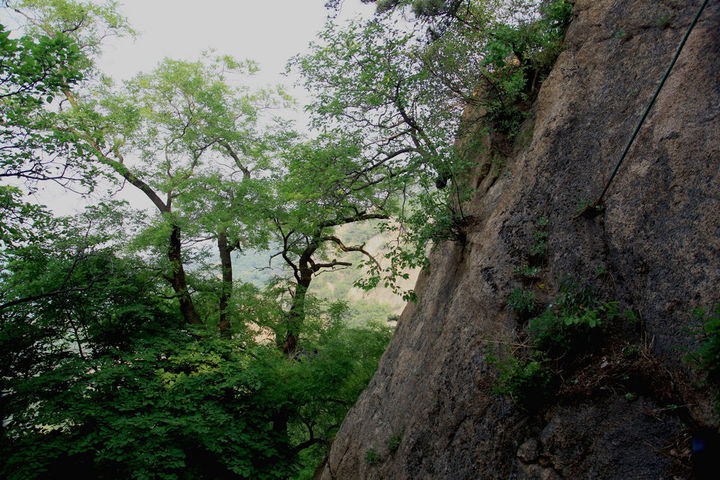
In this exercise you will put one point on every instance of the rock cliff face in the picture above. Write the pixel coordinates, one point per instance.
(430, 411)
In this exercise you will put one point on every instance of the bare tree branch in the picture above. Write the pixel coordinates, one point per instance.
(356, 248)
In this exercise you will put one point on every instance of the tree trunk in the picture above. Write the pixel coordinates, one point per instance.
(224, 250)
(178, 280)
(296, 315)
(294, 319)
(280, 420)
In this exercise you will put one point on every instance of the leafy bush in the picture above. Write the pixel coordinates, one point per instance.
(522, 301)
(526, 382)
(394, 442)
(539, 248)
(707, 356)
(526, 271)
(372, 457)
(571, 322)
(572, 325)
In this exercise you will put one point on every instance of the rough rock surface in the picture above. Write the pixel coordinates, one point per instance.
(658, 242)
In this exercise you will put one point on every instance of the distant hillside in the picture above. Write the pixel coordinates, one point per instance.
(378, 304)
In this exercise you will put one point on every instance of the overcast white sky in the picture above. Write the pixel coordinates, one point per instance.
(267, 31)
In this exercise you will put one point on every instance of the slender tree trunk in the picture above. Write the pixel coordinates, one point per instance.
(280, 420)
(296, 314)
(178, 280)
(177, 277)
(295, 319)
(227, 282)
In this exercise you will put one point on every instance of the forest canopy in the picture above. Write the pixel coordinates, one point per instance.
(130, 347)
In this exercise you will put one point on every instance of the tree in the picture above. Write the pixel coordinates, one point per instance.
(229, 212)
(323, 185)
(372, 87)
(39, 68)
(403, 89)
(189, 127)
(44, 65)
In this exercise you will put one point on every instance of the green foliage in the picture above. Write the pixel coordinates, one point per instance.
(331, 367)
(434, 217)
(539, 248)
(43, 62)
(35, 70)
(86, 23)
(70, 286)
(372, 457)
(540, 236)
(101, 374)
(570, 324)
(526, 271)
(522, 301)
(133, 397)
(20, 219)
(502, 51)
(526, 382)
(371, 88)
(368, 312)
(573, 325)
(444, 220)
(707, 355)
(175, 405)
(394, 442)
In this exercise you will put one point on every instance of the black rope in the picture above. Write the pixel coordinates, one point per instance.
(596, 207)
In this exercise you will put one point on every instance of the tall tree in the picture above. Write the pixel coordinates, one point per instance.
(371, 87)
(323, 186)
(228, 211)
(185, 123)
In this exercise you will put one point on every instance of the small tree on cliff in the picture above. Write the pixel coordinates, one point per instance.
(403, 87)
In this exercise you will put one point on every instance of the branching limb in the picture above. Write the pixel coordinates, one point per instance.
(356, 248)
(315, 267)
